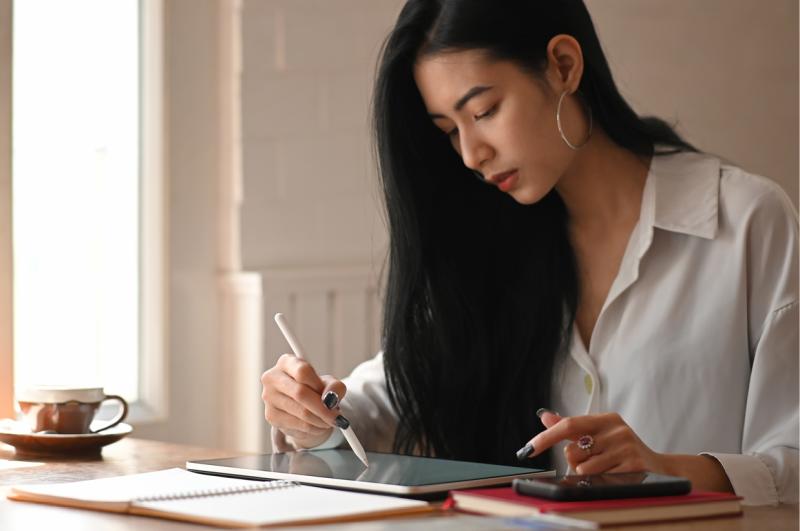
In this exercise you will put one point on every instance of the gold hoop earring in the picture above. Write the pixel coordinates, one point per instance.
(561, 129)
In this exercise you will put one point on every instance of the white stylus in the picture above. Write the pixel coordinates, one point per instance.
(297, 348)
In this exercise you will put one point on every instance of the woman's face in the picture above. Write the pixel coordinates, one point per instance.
(500, 119)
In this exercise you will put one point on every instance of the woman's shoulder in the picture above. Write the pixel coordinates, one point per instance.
(756, 227)
(707, 174)
(747, 196)
(704, 195)
(756, 211)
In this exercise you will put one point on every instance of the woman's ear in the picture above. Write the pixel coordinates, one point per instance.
(564, 63)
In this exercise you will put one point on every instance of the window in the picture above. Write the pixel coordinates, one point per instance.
(87, 231)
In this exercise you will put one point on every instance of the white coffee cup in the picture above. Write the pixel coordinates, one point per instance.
(65, 409)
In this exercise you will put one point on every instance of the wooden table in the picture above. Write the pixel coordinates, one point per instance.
(131, 455)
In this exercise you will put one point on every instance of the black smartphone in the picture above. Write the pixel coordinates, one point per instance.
(603, 486)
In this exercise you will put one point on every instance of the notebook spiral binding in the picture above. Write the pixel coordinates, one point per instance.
(204, 493)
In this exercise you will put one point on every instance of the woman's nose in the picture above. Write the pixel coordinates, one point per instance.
(475, 151)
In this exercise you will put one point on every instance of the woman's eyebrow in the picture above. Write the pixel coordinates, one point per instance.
(471, 93)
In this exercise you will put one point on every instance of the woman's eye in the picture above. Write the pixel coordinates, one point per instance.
(453, 132)
(486, 114)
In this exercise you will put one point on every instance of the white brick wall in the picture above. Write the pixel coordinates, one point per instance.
(311, 222)
(310, 189)
(704, 65)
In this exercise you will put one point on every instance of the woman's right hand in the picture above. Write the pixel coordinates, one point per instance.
(293, 397)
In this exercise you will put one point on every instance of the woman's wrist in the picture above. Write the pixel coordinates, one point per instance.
(705, 472)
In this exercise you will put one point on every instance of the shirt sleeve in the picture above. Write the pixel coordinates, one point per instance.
(368, 408)
(766, 471)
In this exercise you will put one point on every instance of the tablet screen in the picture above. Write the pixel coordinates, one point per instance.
(343, 465)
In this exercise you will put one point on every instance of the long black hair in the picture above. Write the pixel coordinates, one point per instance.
(481, 291)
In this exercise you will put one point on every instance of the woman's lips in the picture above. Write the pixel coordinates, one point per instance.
(506, 180)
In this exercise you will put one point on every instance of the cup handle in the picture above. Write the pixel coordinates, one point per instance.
(119, 418)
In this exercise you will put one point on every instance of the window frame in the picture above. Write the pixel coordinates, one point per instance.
(152, 405)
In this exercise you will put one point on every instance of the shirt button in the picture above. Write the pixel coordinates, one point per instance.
(587, 383)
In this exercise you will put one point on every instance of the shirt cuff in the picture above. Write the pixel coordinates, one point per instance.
(750, 478)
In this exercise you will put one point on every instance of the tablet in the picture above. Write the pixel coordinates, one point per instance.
(387, 473)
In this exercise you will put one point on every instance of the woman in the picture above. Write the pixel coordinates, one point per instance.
(598, 266)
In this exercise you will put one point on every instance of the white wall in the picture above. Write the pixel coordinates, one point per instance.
(311, 217)
(309, 181)
(724, 70)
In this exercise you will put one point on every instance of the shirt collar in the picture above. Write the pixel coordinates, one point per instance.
(685, 193)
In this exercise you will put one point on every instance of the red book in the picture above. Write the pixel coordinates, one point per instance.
(506, 502)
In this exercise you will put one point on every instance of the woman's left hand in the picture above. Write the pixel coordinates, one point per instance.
(613, 445)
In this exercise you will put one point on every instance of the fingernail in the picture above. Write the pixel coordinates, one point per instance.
(342, 422)
(331, 399)
(525, 451)
(541, 411)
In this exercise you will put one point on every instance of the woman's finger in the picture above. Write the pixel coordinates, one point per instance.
(573, 428)
(628, 466)
(599, 463)
(286, 422)
(333, 392)
(568, 428)
(306, 397)
(548, 418)
(615, 436)
(575, 455)
(301, 371)
(291, 406)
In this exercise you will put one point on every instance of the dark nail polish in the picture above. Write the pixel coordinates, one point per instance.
(541, 411)
(331, 399)
(342, 422)
(525, 451)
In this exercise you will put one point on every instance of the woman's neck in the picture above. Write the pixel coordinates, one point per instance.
(602, 189)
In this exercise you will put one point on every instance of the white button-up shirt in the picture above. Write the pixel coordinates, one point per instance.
(696, 346)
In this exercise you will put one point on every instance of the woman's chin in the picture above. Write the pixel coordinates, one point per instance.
(527, 195)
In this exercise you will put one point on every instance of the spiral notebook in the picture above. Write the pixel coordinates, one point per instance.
(228, 502)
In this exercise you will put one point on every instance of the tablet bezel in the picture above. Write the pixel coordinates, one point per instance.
(364, 486)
